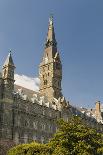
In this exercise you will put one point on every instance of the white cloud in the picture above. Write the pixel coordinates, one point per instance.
(27, 82)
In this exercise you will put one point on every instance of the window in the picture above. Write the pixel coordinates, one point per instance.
(35, 125)
(43, 69)
(34, 137)
(48, 74)
(18, 121)
(16, 137)
(26, 123)
(50, 128)
(45, 82)
(25, 138)
(4, 72)
(27, 108)
(55, 93)
(43, 112)
(43, 126)
(42, 139)
(58, 83)
(50, 114)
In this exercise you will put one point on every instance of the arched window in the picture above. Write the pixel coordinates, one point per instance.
(45, 82)
(35, 125)
(26, 123)
(43, 126)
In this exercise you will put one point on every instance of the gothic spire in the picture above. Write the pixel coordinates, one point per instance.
(50, 40)
(9, 60)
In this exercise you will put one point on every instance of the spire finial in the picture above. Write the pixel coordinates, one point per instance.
(50, 40)
(10, 51)
(51, 19)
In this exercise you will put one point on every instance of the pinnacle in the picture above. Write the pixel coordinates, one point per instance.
(51, 20)
(51, 41)
(9, 60)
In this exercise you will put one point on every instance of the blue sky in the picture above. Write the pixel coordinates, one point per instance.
(79, 33)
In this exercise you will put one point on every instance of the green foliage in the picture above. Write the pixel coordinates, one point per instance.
(30, 149)
(77, 138)
(72, 138)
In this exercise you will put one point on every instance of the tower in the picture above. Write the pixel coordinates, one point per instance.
(98, 109)
(8, 77)
(50, 69)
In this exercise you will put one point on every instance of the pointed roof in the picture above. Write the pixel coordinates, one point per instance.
(9, 60)
(50, 40)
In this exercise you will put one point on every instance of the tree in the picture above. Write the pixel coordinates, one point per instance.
(76, 138)
(72, 138)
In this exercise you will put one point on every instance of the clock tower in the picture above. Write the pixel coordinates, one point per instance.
(50, 69)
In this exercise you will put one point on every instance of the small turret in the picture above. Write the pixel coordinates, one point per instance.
(8, 76)
(98, 110)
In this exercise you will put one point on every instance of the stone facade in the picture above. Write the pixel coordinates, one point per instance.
(33, 116)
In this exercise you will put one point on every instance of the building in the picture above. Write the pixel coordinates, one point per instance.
(96, 112)
(26, 115)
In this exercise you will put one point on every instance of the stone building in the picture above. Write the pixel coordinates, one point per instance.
(96, 112)
(26, 115)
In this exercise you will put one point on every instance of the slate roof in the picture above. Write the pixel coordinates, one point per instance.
(26, 91)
